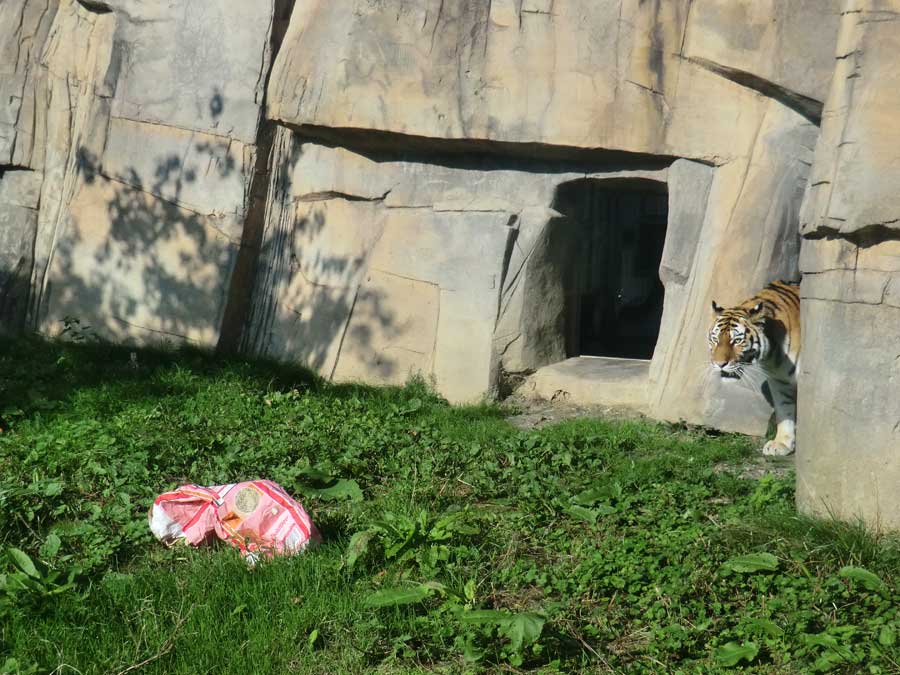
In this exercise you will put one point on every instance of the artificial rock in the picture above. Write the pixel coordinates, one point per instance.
(847, 459)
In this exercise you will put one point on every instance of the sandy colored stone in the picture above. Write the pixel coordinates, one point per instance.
(19, 192)
(847, 464)
(24, 25)
(195, 65)
(136, 268)
(772, 42)
(201, 172)
(744, 243)
(848, 286)
(689, 188)
(593, 381)
(324, 247)
(459, 251)
(826, 255)
(309, 324)
(17, 229)
(461, 255)
(298, 311)
(464, 361)
(21, 188)
(333, 239)
(111, 98)
(508, 73)
(391, 333)
(884, 257)
(531, 325)
(72, 107)
(853, 185)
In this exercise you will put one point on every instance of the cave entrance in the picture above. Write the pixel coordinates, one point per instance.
(615, 303)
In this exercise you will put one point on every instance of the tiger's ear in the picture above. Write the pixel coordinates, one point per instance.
(716, 308)
(756, 309)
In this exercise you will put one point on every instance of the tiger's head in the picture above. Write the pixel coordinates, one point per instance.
(737, 339)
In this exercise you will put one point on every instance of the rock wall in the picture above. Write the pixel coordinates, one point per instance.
(645, 84)
(376, 267)
(849, 436)
(140, 133)
(374, 188)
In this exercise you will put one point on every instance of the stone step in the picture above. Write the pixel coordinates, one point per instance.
(592, 380)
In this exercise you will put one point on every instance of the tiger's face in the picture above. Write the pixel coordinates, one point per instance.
(735, 340)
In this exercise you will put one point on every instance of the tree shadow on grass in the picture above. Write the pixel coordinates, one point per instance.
(41, 377)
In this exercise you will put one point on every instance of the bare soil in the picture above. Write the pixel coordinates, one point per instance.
(533, 413)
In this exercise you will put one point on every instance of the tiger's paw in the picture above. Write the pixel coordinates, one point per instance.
(776, 448)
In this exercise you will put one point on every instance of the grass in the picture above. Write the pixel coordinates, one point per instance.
(452, 541)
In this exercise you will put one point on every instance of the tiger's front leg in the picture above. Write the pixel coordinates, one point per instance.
(784, 396)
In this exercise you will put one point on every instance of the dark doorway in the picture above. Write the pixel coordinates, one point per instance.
(616, 298)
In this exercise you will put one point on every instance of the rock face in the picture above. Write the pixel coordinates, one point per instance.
(19, 192)
(141, 135)
(579, 74)
(391, 188)
(420, 91)
(848, 462)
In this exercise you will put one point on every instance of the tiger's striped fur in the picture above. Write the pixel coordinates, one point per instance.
(763, 332)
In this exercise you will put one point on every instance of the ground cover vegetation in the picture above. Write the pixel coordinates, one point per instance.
(453, 542)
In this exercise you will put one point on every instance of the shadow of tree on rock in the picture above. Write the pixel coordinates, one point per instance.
(146, 253)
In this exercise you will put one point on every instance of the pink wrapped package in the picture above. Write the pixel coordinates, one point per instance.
(258, 517)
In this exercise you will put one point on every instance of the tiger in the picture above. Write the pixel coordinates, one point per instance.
(763, 331)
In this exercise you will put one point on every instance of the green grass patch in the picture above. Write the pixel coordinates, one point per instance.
(453, 542)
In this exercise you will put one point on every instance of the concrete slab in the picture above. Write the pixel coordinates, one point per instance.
(595, 381)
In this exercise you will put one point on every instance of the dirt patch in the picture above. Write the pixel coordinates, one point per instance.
(530, 412)
(759, 466)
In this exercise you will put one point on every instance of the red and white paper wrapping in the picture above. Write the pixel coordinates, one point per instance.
(258, 517)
